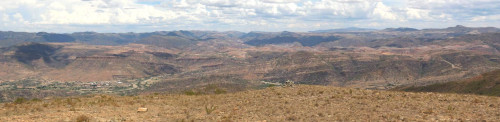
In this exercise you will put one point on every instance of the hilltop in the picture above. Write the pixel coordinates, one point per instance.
(298, 103)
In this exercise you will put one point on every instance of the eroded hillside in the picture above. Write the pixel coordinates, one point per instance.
(177, 61)
(75, 62)
(484, 84)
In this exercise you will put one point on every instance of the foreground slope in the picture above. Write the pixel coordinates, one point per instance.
(484, 84)
(299, 103)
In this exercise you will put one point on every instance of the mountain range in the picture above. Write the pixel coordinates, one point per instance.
(176, 61)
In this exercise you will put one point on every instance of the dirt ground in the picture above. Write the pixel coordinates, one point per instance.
(298, 103)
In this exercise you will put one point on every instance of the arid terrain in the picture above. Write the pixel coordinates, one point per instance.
(38, 65)
(249, 60)
(484, 84)
(297, 103)
(236, 76)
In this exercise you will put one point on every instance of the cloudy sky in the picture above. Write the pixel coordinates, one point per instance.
(241, 15)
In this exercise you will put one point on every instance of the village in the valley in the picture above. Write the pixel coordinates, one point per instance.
(118, 86)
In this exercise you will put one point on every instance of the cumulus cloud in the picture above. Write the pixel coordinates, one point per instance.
(243, 15)
(459, 9)
(85, 12)
(487, 18)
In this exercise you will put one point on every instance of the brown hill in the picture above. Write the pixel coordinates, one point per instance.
(299, 103)
(484, 84)
(107, 69)
(368, 69)
(372, 60)
(77, 62)
(169, 42)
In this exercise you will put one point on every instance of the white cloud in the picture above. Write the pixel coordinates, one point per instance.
(418, 14)
(5, 17)
(280, 1)
(487, 18)
(88, 12)
(459, 9)
(384, 12)
(243, 15)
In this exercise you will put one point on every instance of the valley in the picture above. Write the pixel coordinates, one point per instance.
(179, 61)
(249, 61)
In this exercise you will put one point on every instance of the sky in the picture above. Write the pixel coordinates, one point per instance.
(66, 16)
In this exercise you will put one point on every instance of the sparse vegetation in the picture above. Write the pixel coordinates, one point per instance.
(485, 84)
(299, 103)
(191, 92)
(19, 100)
(219, 91)
(209, 109)
(205, 75)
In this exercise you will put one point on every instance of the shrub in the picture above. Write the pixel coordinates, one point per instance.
(69, 101)
(210, 109)
(20, 100)
(192, 93)
(82, 118)
(291, 118)
(219, 91)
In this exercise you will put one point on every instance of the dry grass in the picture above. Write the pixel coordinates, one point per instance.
(300, 103)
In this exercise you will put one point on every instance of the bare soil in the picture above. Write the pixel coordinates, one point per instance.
(298, 103)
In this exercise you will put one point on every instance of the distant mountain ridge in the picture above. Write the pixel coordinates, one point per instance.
(312, 38)
(13, 38)
(401, 29)
(349, 29)
(290, 37)
(180, 60)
